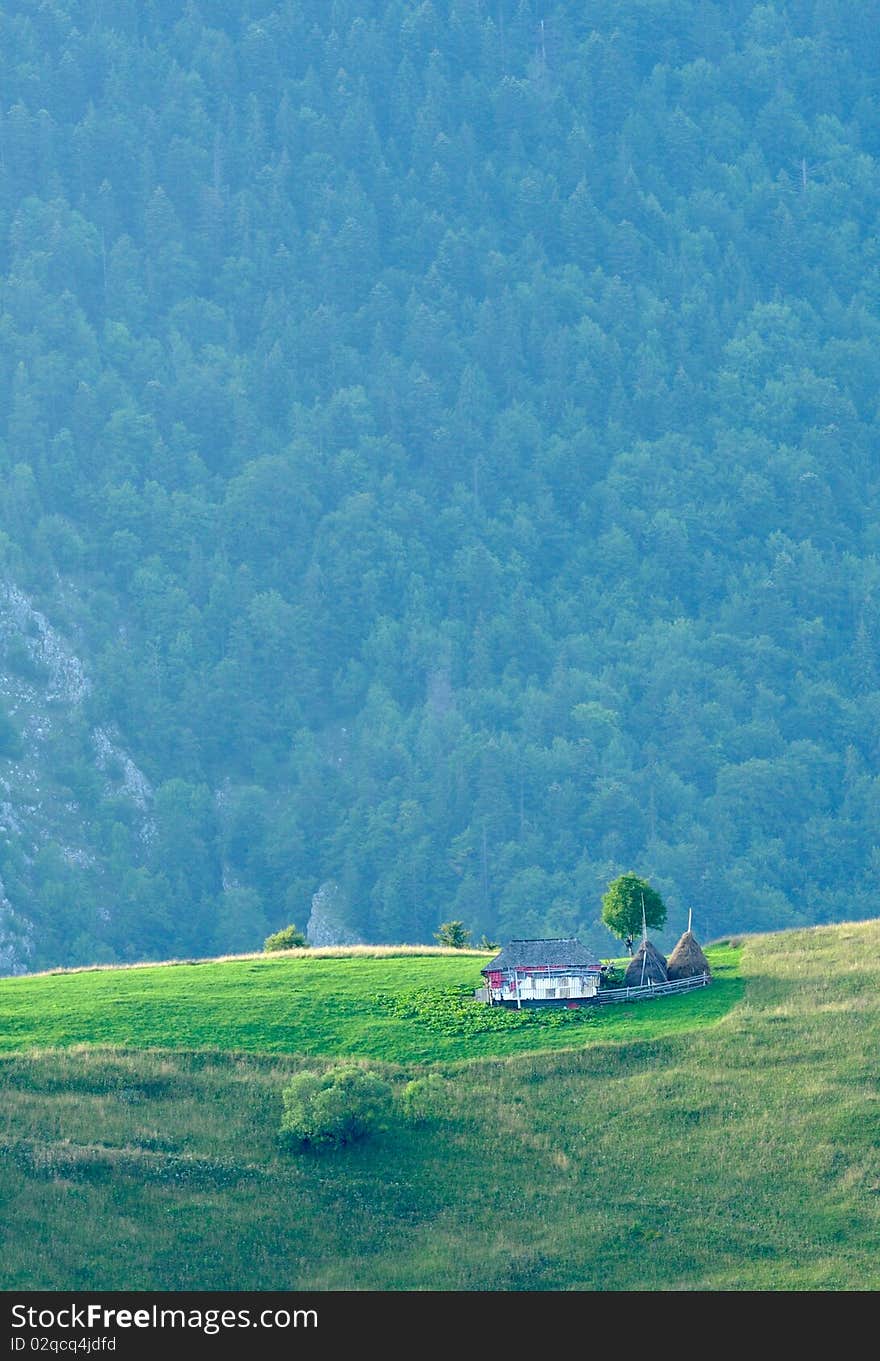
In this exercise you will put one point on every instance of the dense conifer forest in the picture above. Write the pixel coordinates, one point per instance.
(438, 463)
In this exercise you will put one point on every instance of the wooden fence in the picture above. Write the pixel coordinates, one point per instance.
(606, 995)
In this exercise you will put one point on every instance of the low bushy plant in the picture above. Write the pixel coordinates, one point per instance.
(612, 976)
(335, 1107)
(290, 938)
(425, 1098)
(453, 933)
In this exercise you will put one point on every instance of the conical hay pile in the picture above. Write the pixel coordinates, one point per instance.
(654, 966)
(687, 959)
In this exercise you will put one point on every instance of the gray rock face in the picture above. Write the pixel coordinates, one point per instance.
(16, 942)
(123, 776)
(327, 923)
(66, 681)
(43, 686)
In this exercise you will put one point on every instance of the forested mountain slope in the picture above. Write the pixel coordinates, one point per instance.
(444, 435)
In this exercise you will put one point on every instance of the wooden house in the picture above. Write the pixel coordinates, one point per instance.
(529, 973)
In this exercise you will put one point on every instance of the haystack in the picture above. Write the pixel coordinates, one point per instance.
(687, 959)
(646, 966)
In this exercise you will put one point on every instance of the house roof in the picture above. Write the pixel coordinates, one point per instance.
(535, 953)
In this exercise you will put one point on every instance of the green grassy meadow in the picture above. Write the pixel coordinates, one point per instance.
(743, 1154)
(326, 1006)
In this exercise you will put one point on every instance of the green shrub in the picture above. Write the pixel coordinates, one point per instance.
(338, 1106)
(290, 938)
(425, 1098)
(453, 933)
(612, 977)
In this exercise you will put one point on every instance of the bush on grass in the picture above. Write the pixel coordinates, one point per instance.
(290, 938)
(333, 1108)
(425, 1098)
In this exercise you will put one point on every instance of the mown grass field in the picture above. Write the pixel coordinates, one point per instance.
(349, 1005)
(739, 1155)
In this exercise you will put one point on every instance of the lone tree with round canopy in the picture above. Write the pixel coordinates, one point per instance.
(629, 904)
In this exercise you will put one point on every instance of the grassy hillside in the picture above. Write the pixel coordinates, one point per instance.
(400, 1008)
(744, 1155)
